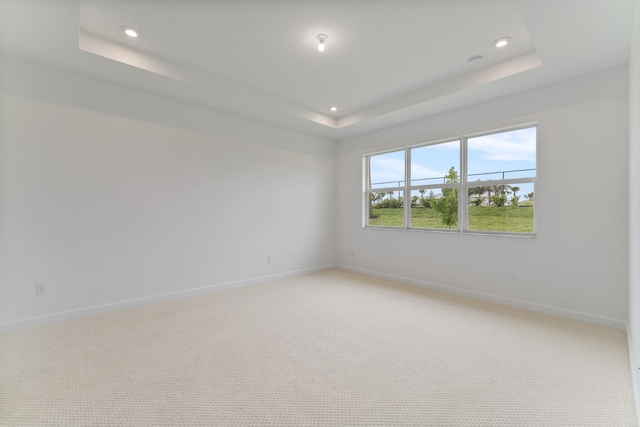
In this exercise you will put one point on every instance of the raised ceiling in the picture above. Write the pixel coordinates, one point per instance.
(385, 63)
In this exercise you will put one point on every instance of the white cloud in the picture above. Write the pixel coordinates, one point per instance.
(385, 169)
(419, 171)
(507, 146)
(391, 171)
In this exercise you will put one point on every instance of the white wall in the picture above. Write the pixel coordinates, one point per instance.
(108, 194)
(577, 265)
(634, 211)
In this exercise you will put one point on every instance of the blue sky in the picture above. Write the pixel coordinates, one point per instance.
(505, 151)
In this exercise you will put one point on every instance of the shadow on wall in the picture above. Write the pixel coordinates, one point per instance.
(46, 83)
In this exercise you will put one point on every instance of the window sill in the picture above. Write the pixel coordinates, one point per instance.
(458, 232)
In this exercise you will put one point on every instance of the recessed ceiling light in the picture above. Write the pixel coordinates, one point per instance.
(131, 32)
(334, 108)
(321, 39)
(502, 42)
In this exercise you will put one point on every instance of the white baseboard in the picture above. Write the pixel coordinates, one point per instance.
(89, 311)
(98, 309)
(511, 302)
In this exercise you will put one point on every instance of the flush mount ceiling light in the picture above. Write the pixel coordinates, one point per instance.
(333, 108)
(502, 42)
(321, 39)
(131, 32)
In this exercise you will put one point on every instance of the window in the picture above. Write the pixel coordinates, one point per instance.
(501, 174)
(478, 184)
(435, 184)
(386, 189)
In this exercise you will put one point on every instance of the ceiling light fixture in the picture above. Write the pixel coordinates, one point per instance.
(502, 42)
(131, 32)
(334, 108)
(321, 39)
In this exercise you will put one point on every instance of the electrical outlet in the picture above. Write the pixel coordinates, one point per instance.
(513, 277)
(41, 289)
(353, 253)
(268, 259)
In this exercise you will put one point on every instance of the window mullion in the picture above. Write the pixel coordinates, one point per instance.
(407, 189)
(378, 190)
(427, 187)
(367, 191)
(463, 198)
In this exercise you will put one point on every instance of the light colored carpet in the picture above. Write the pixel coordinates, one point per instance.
(326, 349)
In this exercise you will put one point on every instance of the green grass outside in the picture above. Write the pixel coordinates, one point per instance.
(481, 218)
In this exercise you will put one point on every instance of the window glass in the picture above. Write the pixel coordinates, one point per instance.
(434, 208)
(385, 190)
(494, 190)
(387, 170)
(505, 208)
(504, 155)
(387, 209)
(430, 164)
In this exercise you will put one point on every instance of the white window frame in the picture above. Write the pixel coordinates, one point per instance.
(462, 186)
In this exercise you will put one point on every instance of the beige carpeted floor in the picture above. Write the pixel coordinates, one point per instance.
(326, 349)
